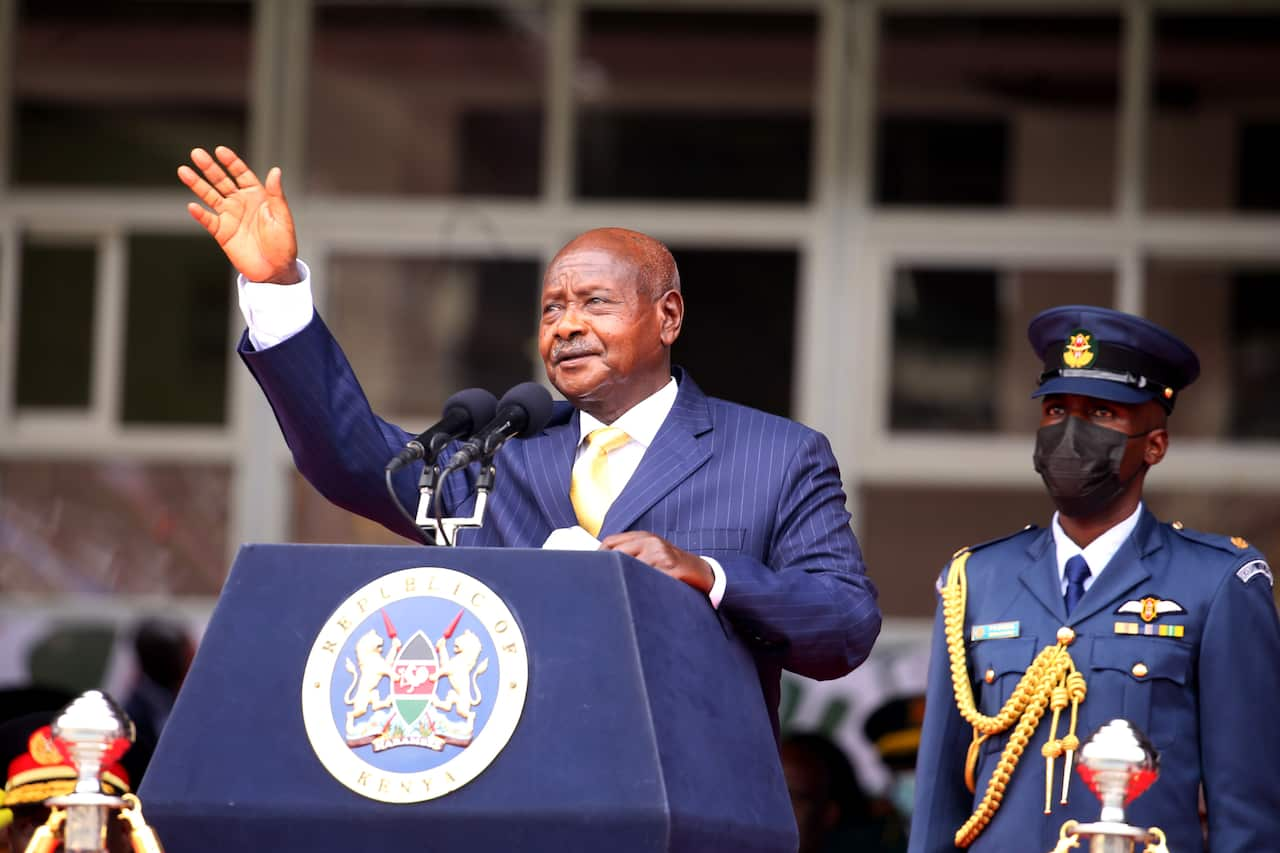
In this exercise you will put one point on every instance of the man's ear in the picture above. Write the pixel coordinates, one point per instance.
(670, 307)
(1157, 446)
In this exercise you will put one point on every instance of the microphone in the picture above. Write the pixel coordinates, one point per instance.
(522, 411)
(463, 412)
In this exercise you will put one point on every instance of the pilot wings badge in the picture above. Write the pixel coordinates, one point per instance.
(409, 720)
(1151, 608)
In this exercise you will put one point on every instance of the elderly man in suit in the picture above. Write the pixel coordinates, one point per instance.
(745, 507)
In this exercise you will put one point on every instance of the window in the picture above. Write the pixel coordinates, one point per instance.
(738, 338)
(117, 94)
(724, 112)
(960, 358)
(997, 111)
(1225, 312)
(417, 329)
(55, 325)
(1215, 104)
(177, 339)
(410, 99)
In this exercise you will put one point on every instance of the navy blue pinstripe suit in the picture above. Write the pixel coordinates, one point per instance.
(760, 494)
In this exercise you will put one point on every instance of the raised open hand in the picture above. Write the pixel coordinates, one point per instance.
(250, 220)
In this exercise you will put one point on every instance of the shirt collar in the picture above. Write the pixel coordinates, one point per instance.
(1097, 553)
(642, 421)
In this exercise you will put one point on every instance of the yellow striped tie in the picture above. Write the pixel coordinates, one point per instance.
(589, 489)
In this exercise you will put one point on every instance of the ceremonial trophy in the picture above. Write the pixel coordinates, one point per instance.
(1118, 764)
(92, 732)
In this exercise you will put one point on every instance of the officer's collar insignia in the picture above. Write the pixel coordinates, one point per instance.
(1248, 571)
(1079, 349)
(995, 631)
(414, 685)
(1239, 542)
(1151, 608)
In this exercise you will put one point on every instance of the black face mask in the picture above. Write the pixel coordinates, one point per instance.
(1080, 465)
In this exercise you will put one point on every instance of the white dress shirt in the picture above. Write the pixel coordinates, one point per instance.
(641, 423)
(1097, 553)
(274, 313)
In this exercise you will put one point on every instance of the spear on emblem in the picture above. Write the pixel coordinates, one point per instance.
(453, 626)
(395, 646)
(386, 623)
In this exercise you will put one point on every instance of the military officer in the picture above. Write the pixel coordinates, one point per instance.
(1047, 634)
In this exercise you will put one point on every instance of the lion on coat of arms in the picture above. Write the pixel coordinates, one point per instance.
(462, 671)
(367, 673)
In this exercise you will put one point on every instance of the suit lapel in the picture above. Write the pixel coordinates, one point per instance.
(1040, 576)
(674, 454)
(548, 458)
(1125, 571)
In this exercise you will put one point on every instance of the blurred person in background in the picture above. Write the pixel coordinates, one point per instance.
(894, 730)
(833, 813)
(164, 650)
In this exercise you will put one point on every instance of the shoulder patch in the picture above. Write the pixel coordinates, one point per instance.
(1252, 569)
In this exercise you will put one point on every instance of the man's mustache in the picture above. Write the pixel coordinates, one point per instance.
(559, 352)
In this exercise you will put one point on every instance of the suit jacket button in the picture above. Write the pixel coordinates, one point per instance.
(1066, 636)
(989, 676)
(1139, 670)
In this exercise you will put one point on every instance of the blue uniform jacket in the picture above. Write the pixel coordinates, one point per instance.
(1209, 700)
(760, 494)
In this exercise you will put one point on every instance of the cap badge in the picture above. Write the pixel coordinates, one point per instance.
(42, 747)
(1079, 349)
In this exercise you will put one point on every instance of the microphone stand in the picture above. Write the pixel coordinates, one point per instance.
(447, 528)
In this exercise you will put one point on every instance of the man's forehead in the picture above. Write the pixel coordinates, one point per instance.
(590, 266)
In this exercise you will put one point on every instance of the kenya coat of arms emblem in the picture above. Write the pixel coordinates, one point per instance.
(409, 720)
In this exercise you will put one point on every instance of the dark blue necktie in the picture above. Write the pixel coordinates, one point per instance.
(1077, 571)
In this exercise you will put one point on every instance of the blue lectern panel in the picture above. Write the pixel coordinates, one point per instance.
(643, 728)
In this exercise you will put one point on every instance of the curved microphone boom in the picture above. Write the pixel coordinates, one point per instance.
(464, 412)
(522, 411)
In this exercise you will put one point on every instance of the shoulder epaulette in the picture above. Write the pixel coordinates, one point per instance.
(1236, 546)
(1030, 528)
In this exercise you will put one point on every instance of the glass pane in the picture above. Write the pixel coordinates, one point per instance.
(426, 99)
(904, 555)
(55, 325)
(418, 329)
(961, 360)
(709, 105)
(178, 333)
(1226, 313)
(121, 527)
(730, 295)
(119, 93)
(998, 111)
(1215, 105)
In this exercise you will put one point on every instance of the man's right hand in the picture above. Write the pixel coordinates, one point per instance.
(250, 220)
